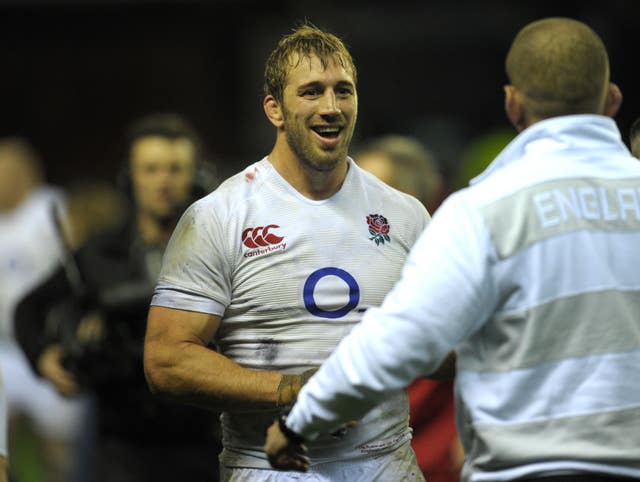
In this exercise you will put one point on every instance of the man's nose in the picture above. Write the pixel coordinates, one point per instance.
(330, 104)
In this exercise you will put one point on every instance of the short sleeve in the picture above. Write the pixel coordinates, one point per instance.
(195, 267)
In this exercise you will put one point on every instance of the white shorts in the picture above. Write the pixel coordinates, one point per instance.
(52, 415)
(397, 466)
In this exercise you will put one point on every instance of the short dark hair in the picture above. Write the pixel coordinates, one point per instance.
(164, 124)
(561, 67)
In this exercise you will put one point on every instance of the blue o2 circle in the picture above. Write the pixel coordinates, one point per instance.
(310, 286)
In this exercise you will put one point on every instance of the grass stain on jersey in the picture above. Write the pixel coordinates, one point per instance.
(268, 349)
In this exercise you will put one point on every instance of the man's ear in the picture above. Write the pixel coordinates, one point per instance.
(273, 111)
(613, 100)
(513, 107)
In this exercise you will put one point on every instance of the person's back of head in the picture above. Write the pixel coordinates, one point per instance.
(403, 163)
(20, 171)
(559, 66)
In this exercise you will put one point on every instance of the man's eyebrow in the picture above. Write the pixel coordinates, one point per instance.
(317, 83)
(313, 83)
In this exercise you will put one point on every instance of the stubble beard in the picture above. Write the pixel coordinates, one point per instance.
(301, 144)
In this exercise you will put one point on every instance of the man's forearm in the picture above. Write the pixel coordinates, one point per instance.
(196, 375)
(199, 376)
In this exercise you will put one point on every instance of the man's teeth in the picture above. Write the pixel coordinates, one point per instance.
(327, 130)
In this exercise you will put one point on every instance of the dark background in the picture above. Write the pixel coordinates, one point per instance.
(73, 74)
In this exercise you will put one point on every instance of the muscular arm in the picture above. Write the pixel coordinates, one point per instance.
(178, 365)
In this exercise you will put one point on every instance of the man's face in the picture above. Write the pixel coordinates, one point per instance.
(635, 146)
(162, 172)
(17, 177)
(320, 107)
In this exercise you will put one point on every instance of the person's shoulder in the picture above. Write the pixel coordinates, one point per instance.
(232, 197)
(37, 207)
(113, 242)
(240, 187)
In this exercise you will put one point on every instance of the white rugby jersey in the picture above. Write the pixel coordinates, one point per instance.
(291, 276)
(533, 275)
(30, 249)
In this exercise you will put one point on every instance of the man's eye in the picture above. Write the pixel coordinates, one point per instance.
(311, 92)
(344, 91)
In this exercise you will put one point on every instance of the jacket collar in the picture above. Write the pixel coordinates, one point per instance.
(583, 131)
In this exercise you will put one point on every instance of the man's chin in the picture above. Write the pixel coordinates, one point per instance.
(165, 216)
(326, 163)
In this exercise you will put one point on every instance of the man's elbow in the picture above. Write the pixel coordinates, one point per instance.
(157, 372)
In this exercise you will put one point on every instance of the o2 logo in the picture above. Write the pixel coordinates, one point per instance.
(310, 286)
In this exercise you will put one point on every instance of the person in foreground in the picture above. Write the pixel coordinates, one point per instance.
(532, 274)
(276, 266)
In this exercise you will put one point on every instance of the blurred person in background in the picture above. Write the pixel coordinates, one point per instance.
(404, 163)
(44, 428)
(634, 138)
(83, 327)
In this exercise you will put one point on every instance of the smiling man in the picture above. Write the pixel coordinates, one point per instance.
(276, 267)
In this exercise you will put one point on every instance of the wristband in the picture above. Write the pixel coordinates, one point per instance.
(287, 432)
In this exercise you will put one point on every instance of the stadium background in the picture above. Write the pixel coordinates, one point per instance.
(75, 72)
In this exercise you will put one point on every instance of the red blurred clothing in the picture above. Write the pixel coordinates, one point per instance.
(435, 440)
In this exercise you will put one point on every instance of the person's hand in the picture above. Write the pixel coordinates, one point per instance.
(283, 453)
(50, 367)
(91, 328)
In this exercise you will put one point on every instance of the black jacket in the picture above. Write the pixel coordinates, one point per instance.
(111, 275)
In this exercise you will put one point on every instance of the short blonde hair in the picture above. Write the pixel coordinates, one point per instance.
(305, 41)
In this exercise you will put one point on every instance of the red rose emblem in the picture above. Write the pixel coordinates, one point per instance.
(378, 228)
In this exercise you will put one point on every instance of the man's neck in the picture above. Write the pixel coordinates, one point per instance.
(153, 231)
(311, 183)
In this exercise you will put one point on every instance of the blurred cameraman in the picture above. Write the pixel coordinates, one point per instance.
(83, 328)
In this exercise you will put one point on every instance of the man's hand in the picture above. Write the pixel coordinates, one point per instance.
(284, 454)
(91, 328)
(50, 367)
(290, 385)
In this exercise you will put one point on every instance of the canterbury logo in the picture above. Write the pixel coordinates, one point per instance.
(260, 236)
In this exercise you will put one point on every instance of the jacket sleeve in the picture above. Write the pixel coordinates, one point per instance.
(33, 318)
